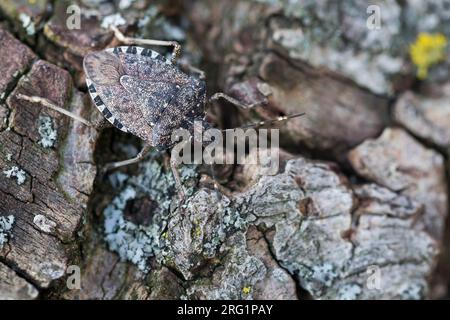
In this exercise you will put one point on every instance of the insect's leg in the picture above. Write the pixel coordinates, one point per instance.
(136, 159)
(237, 103)
(191, 69)
(127, 40)
(178, 184)
(217, 186)
(46, 103)
(221, 95)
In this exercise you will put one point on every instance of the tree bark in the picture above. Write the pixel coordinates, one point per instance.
(356, 209)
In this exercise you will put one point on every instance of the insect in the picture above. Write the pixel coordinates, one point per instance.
(139, 91)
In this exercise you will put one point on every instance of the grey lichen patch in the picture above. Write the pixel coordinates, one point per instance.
(51, 270)
(351, 38)
(383, 160)
(138, 242)
(132, 242)
(349, 291)
(324, 273)
(237, 275)
(413, 292)
(204, 240)
(310, 208)
(16, 172)
(6, 225)
(304, 214)
(47, 131)
(43, 223)
(195, 236)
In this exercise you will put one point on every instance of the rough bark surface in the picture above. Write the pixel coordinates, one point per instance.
(398, 162)
(356, 210)
(426, 117)
(47, 171)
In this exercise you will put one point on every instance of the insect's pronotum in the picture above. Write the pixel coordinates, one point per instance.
(139, 91)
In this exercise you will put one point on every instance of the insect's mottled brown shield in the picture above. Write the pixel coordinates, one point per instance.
(130, 86)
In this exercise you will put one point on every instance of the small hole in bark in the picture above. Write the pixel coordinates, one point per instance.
(140, 211)
(348, 234)
(305, 206)
(298, 180)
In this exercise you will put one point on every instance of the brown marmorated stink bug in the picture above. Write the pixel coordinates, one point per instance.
(139, 91)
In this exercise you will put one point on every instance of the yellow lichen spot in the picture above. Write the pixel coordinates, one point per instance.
(246, 290)
(198, 231)
(165, 235)
(427, 50)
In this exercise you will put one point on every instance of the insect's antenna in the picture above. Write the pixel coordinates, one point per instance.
(270, 121)
(48, 104)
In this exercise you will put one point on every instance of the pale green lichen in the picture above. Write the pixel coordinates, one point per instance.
(132, 242)
(137, 243)
(317, 278)
(349, 291)
(113, 20)
(16, 172)
(47, 132)
(27, 24)
(157, 24)
(412, 292)
(231, 222)
(150, 14)
(125, 4)
(239, 273)
(325, 273)
(6, 224)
